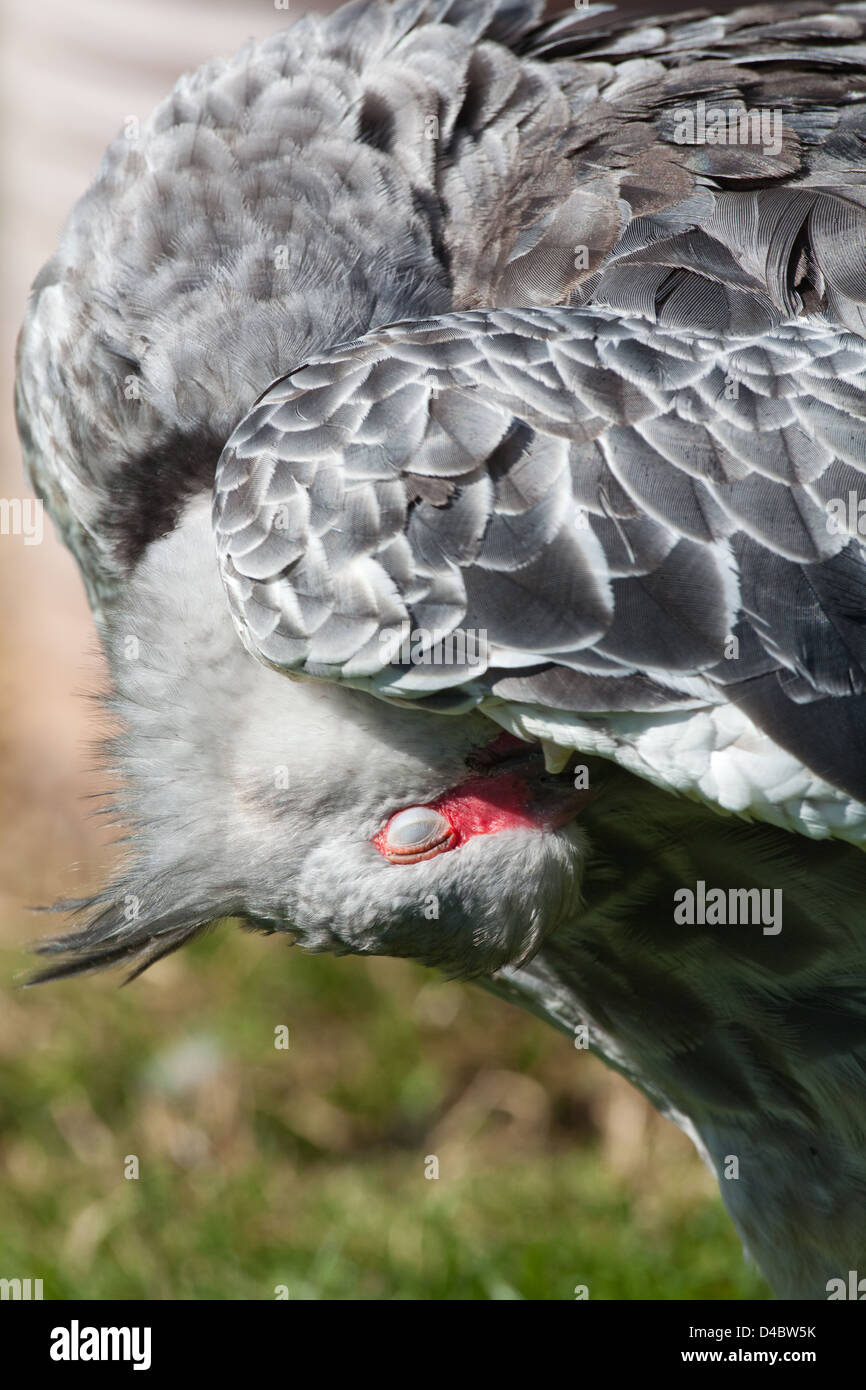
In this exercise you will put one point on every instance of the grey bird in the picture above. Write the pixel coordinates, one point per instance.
(458, 420)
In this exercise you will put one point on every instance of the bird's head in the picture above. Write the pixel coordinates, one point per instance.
(391, 832)
(356, 825)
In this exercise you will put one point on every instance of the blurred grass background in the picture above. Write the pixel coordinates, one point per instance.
(304, 1167)
(261, 1167)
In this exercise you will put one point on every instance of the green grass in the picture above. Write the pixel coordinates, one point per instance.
(305, 1168)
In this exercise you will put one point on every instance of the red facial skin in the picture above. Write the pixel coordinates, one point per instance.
(484, 805)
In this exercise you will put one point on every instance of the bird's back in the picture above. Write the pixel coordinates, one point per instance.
(397, 162)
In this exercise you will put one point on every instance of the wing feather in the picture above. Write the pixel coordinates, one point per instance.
(622, 542)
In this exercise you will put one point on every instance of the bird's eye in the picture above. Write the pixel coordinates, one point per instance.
(417, 833)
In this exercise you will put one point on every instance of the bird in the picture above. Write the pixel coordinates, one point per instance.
(457, 417)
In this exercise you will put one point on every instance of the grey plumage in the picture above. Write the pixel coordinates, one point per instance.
(458, 331)
(726, 508)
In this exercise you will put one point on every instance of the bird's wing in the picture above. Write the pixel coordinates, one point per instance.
(602, 530)
(395, 161)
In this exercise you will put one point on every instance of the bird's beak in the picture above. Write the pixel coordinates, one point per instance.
(557, 798)
(552, 794)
